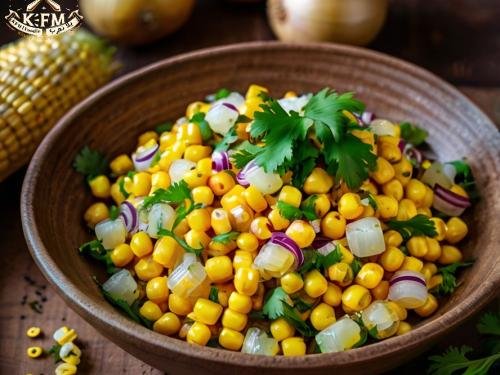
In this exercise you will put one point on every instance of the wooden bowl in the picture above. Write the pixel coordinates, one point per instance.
(54, 196)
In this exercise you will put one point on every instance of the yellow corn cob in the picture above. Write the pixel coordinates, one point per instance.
(40, 79)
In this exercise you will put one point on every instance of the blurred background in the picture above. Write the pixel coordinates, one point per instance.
(458, 40)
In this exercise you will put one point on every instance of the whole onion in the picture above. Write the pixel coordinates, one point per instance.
(136, 21)
(353, 22)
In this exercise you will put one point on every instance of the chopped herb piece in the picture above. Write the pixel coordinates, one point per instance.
(301, 305)
(95, 250)
(242, 119)
(315, 260)
(36, 307)
(246, 152)
(156, 159)
(165, 127)
(308, 209)
(54, 352)
(132, 311)
(225, 238)
(454, 360)
(465, 179)
(222, 93)
(419, 225)
(114, 212)
(214, 294)
(288, 211)
(371, 199)
(227, 140)
(413, 134)
(177, 193)
(162, 232)
(449, 283)
(91, 163)
(356, 266)
(489, 324)
(121, 186)
(205, 130)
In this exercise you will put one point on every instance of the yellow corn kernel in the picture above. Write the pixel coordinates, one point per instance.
(333, 225)
(197, 239)
(278, 222)
(255, 199)
(428, 198)
(247, 241)
(404, 327)
(435, 281)
(197, 152)
(150, 311)
(293, 346)
(341, 273)
(193, 137)
(121, 165)
(355, 298)
(350, 206)
(370, 275)
(33, 332)
(366, 137)
(147, 269)
(417, 246)
(392, 259)
(301, 232)
(242, 258)
(440, 227)
(403, 171)
(389, 151)
(333, 295)
(219, 269)
(159, 180)
(234, 320)
(393, 238)
(318, 182)
(179, 305)
(281, 329)
(220, 221)
(141, 184)
(195, 178)
(34, 351)
(387, 207)
(398, 309)
(199, 219)
(429, 307)
(147, 137)
(322, 316)
(456, 230)
(199, 334)
(168, 324)
(291, 282)
(224, 292)
(221, 183)
(381, 291)
(322, 205)
(246, 281)
(415, 190)
(411, 264)
(260, 227)
(216, 248)
(240, 303)
(141, 244)
(231, 339)
(406, 210)
(167, 252)
(203, 195)
(122, 255)
(64, 335)
(157, 290)
(96, 213)
(315, 284)
(394, 189)
(65, 369)
(424, 211)
(100, 186)
(206, 311)
(449, 255)
(290, 195)
(433, 249)
(254, 91)
(347, 256)
(384, 171)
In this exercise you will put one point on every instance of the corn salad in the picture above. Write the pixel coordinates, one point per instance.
(301, 250)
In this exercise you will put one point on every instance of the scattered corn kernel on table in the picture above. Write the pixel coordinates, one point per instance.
(414, 31)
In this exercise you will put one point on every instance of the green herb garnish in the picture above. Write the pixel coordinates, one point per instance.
(229, 138)
(214, 294)
(114, 212)
(449, 283)
(246, 152)
(291, 212)
(301, 305)
(225, 238)
(54, 352)
(95, 250)
(413, 134)
(132, 311)
(465, 179)
(222, 93)
(91, 163)
(205, 130)
(165, 127)
(419, 225)
(317, 261)
(177, 193)
(356, 266)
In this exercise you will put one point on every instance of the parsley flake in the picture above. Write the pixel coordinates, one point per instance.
(449, 283)
(419, 225)
(95, 250)
(225, 238)
(91, 163)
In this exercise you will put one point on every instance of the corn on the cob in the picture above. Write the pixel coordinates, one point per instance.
(40, 79)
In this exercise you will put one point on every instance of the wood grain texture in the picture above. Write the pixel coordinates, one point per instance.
(109, 119)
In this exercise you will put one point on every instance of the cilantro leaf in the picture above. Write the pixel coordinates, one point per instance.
(413, 134)
(465, 178)
(242, 119)
(214, 294)
(246, 152)
(315, 260)
(222, 93)
(419, 225)
(114, 212)
(176, 193)
(91, 163)
(229, 138)
(326, 108)
(288, 211)
(225, 238)
(455, 359)
(308, 208)
(356, 266)
(165, 127)
(162, 232)
(489, 324)
(95, 250)
(54, 352)
(449, 283)
(301, 305)
(205, 130)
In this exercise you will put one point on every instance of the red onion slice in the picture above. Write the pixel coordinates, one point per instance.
(230, 106)
(144, 158)
(399, 278)
(241, 176)
(130, 216)
(451, 197)
(220, 161)
(367, 117)
(286, 242)
(408, 288)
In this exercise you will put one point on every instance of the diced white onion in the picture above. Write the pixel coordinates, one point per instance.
(122, 285)
(339, 336)
(408, 289)
(383, 127)
(179, 168)
(257, 342)
(294, 104)
(435, 174)
(111, 233)
(365, 237)
(161, 215)
(187, 276)
(266, 183)
(221, 118)
(380, 315)
(235, 98)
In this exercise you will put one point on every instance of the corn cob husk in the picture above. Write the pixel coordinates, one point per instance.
(41, 78)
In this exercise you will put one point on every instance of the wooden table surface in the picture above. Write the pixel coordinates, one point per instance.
(458, 40)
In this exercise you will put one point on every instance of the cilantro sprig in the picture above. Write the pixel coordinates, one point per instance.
(449, 283)
(413, 134)
(214, 294)
(419, 225)
(291, 212)
(287, 147)
(317, 261)
(225, 238)
(457, 360)
(95, 250)
(279, 305)
(465, 179)
(91, 163)
(205, 130)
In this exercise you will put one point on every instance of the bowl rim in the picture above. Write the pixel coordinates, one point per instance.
(84, 305)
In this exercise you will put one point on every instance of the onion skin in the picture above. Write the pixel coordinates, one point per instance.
(354, 22)
(136, 21)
